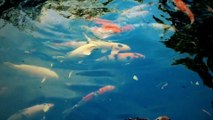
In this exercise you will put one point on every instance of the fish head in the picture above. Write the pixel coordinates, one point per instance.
(122, 47)
(47, 106)
(138, 55)
(52, 74)
(110, 87)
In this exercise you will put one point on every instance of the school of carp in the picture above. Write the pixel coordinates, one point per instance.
(80, 50)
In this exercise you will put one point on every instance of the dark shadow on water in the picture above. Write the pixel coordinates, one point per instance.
(196, 40)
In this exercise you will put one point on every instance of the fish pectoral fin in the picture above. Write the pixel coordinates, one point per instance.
(9, 64)
(43, 80)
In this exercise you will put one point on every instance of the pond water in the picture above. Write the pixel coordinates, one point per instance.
(110, 66)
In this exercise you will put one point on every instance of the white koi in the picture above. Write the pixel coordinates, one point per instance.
(34, 70)
(31, 111)
(105, 45)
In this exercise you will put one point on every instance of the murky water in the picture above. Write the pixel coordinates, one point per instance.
(100, 61)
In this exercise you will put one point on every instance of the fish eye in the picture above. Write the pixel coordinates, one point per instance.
(119, 45)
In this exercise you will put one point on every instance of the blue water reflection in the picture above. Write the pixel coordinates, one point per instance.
(159, 89)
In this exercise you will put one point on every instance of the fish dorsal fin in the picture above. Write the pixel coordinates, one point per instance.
(88, 39)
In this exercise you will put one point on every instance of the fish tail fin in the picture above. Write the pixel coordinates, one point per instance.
(69, 110)
(9, 64)
(192, 18)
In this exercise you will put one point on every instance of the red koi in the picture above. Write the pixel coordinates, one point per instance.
(182, 6)
(89, 96)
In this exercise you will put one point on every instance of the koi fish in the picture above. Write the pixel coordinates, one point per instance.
(107, 28)
(89, 97)
(100, 32)
(105, 89)
(183, 7)
(106, 31)
(35, 70)
(105, 45)
(121, 57)
(30, 112)
(110, 26)
(163, 118)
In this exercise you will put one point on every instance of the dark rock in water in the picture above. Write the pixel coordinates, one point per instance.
(101, 73)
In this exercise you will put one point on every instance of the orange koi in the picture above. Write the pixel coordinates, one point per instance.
(183, 7)
(108, 25)
(114, 29)
(105, 89)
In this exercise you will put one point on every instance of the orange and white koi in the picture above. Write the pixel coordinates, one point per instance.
(121, 57)
(89, 97)
(106, 31)
(108, 25)
(183, 7)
